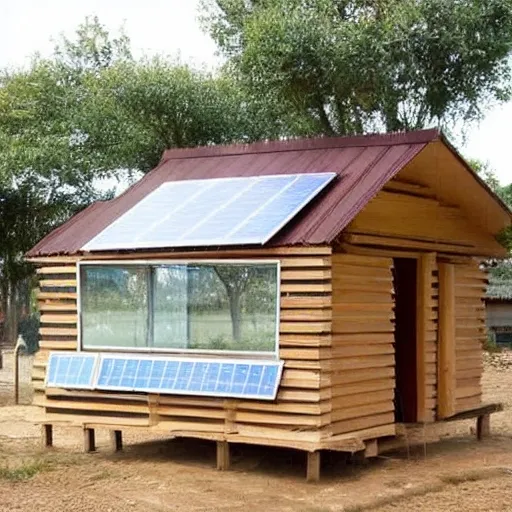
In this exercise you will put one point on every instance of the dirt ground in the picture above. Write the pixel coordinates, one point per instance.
(179, 475)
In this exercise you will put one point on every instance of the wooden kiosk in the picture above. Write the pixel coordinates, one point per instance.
(380, 314)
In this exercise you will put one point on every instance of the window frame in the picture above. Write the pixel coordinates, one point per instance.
(274, 354)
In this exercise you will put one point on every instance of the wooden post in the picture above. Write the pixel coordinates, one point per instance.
(446, 349)
(89, 440)
(371, 449)
(47, 435)
(483, 426)
(223, 461)
(423, 298)
(116, 440)
(313, 467)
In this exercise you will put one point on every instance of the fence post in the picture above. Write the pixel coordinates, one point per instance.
(20, 345)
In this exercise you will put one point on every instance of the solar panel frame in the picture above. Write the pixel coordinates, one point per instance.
(48, 382)
(96, 245)
(263, 363)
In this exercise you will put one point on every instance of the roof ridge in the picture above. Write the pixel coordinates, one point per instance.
(304, 144)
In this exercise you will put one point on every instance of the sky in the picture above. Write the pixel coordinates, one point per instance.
(171, 27)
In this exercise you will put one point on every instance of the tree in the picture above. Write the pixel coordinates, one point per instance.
(44, 175)
(350, 66)
(500, 270)
(152, 105)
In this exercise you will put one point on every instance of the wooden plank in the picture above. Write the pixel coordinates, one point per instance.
(59, 269)
(59, 319)
(305, 301)
(361, 375)
(59, 306)
(362, 397)
(358, 250)
(306, 327)
(282, 419)
(361, 338)
(304, 340)
(360, 260)
(305, 275)
(362, 411)
(305, 315)
(57, 331)
(360, 389)
(306, 287)
(353, 425)
(347, 327)
(371, 361)
(57, 345)
(304, 262)
(55, 295)
(343, 297)
(305, 353)
(57, 283)
(339, 352)
(425, 267)
(404, 243)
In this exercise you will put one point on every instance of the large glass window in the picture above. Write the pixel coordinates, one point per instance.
(192, 306)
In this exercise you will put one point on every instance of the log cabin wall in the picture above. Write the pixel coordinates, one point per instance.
(470, 333)
(363, 364)
(303, 405)
(407, 219)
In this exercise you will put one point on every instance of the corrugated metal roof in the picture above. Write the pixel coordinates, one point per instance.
(364, 164)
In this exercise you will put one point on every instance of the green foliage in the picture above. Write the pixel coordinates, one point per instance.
(23, 472)
(28, 327)
(484, 170)
(353, 65)
(490, 345)
(151, 105)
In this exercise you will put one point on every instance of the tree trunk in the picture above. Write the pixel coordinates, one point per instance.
(11, 316)
(234, 308)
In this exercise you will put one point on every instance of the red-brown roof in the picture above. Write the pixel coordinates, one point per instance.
(363, 163)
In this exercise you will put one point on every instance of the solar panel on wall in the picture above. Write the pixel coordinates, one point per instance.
(71, 370)
(235, 378)
(226, 378)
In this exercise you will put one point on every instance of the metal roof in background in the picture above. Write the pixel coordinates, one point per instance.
(363, 165)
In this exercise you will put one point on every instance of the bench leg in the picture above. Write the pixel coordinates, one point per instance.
(223, 459)
(89, 440)
(483, 426)
(313, 467)
(116, 440)
(47, 435)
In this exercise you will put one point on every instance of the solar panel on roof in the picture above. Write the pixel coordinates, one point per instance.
(225, 211)
(225, 378)
(71, 370)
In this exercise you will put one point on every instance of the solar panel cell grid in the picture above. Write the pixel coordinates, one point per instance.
(76, 370)
(173, 376)
(226, 211)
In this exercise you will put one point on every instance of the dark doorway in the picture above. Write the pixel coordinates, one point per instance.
(404, 278)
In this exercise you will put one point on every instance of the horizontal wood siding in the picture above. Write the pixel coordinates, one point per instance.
(470, 287)
(363, 376)
(303, 405)
(409, 216)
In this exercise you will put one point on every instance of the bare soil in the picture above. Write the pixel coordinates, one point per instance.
(157, 474)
